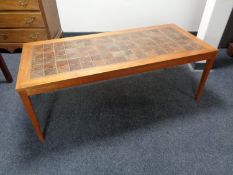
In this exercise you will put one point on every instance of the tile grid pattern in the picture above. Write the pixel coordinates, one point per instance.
(66, 56)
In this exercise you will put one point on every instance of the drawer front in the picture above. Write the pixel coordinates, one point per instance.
(22, 35)
(19, 19)
(19, 5)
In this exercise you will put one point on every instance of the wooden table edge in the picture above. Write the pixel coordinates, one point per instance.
(26, 90)
(108, 75)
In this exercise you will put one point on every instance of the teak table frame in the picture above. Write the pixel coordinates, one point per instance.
(27, 86)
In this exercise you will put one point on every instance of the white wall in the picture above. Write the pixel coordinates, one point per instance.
(109, 15)
(214, 20)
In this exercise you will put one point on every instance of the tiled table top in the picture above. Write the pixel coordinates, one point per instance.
(66, 56)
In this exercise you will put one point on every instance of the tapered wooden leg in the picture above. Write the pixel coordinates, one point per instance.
(29, 108)
(208, 66)
(5, 70)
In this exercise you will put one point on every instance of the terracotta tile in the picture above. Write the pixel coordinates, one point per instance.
(38, 48)
(36, 74)
(63, 66)
(38, 59)
(70, 44)
(58, 45)
(50, 71)
(71, 50)
(60, 58)
(98, 62)
(86, 64)
(48, 47)
(63, 69)
(49, 60)
(160, 51)
(85, 60)
(38, 54)
(62, 63)
(106, 56)
(73, 61)
(60, 53)
(75, 67)
(92, 51)
(117, 54)
(96, 57)
(37, 68)
(115, 60)
(195, 46)
(49, 66)
(72, 56)
(49, 55)
(81, 54)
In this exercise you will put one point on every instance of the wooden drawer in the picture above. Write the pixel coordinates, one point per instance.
(19, 19)
(19, 5)
(22, 35)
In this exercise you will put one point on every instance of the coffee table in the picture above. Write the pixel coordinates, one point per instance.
(51, 65)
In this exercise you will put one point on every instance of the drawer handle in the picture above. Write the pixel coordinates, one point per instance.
(34, 36)
(4, 36)
(30, 20)
(23, 3)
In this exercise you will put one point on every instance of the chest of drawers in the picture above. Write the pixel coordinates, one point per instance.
(27, 20)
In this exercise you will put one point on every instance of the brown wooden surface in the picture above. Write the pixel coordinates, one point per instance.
(56, 64)
(31, 114)
(18, 19)
(81, 76)
(21, 19)
(206, 71)
(12, 46)
(52, 21)
(22, 35)
(19, 5)
(5, 70)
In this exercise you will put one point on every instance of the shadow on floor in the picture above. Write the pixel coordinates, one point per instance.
(223, 60)
(87, 114)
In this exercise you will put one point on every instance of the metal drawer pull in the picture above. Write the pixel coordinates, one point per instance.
(4, 36)
(34, 36)
(23, 3)
(30, 20)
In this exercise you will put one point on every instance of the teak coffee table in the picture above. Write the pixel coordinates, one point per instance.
(51, 65)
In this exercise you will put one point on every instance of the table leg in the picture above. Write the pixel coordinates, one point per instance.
(29, 108)
(208, 66)
(5, 70)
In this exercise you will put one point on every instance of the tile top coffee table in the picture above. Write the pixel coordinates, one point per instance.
(51, 65)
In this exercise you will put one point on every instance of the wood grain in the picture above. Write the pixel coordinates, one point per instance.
(19, 5)
(21, 19)
(51, 18)
(22, 35)
(208, 66)
(29, 108)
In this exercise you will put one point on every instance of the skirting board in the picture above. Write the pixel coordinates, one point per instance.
(70, 34)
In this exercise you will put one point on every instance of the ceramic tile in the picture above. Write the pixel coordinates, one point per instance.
(59, 57)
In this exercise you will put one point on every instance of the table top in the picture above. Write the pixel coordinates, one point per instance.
(56, 60)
